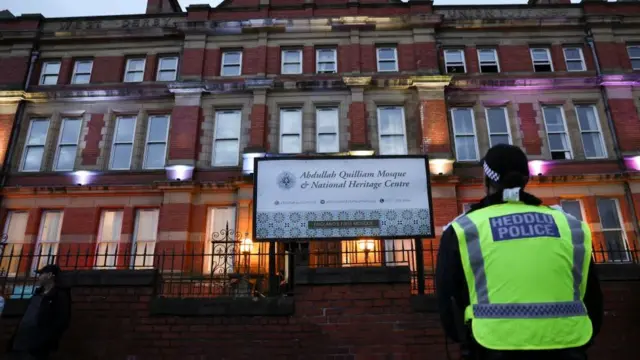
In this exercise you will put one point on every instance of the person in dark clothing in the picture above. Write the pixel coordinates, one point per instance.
(45, 320)
(509, 166)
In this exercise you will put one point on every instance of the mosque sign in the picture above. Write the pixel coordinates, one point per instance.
(342, 198)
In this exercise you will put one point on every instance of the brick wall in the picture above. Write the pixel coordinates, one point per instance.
(531, 141)
(625, 116)
(118, 317)
(108, 69)
(13, 71)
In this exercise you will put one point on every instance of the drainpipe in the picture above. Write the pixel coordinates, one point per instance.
(612, 129)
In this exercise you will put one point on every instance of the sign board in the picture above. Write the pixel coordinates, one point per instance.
(342, 198)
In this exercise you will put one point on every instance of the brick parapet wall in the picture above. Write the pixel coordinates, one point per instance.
(338, 320)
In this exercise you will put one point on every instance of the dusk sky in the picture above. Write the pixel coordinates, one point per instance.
(64, 8)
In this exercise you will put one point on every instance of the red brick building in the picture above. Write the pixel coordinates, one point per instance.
(103, 117)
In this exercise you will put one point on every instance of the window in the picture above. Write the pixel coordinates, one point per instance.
(290, 131)
(326, 61)
(541, 58)
(573, 208)
(14, 228)
(135, 70)
(557, 135)
(231, 63)
(387, 59)
(48, 239)
(82, 72)
(167, 68)
(615, 240)
(399, 252)
(634, 56)
(108, 239)
(464, 130)
(219, 258)
(122, 148)
(155, 152)
(226, 143)
(67, 145)
(50, 71)
(391, 130)
(327, 120)
(144, 238)
(34, 147)
(574, 59)
(454, 61)
(488, 59)
(498, 126)
(590, 131)
(291, 62)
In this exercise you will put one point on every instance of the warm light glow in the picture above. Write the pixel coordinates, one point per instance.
(633, 162)
(248, 160)
(361, 152)
(179, 172)
(366, 245)
(82, 177)
(441, 166)
(536, 167)
(246, 245)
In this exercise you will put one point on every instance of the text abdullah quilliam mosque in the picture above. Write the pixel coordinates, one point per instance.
(353, 179)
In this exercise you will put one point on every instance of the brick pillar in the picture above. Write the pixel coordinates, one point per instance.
(92, 149)
(471, 57)
(557, 55)
(66, 69)
(6, 123)
(173, 232)
(150, 67)
(184, 133)
(434, 135)
(357, 116)
(308, 60)
(193, 57)
(78, 236)
(625, 116)
(530, 129)
(259, 124)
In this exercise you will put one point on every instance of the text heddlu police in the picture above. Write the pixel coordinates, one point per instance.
(353, 179)
(523, 226)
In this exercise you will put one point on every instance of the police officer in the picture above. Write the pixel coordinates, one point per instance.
(519, 273)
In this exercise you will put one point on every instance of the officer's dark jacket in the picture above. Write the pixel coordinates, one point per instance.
(451, 282)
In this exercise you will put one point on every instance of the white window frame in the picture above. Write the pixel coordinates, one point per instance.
(566, 129)
(337, 127)
(114, 142)
(404, 128)
(299, 133)
(455, 134)
(105, 255)
(631, 59)
(60, 144)
(149, 142)
(223, 62)
(395, 58)
(283, 63)
(44, 74)
(75, 71)
(11, 256)
(399, 252)
(27, 146)
(39, 255)
(599, 131)
(625, 240)
(215, 137)
(506, 119)
(145, 254)
(549, 59)
(128, 69)
(335, 61)
(579, 201)
(495, 55)
(566, 61)
(174, 70)
(446, 63)
(223, 249)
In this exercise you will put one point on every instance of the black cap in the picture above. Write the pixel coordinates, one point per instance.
(51, 268)
(503, 163)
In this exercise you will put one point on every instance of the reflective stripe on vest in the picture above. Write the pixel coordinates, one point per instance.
(484, 308)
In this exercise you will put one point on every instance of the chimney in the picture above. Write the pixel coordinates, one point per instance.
(163, 6)
(549, 2)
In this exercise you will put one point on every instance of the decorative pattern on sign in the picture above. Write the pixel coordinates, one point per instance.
(294, 225)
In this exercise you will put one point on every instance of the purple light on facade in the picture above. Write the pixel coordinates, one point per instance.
(179, 172)
(536, 167)
(633, 162)
(82, 177)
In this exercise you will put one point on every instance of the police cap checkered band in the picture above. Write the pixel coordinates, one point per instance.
(503, 159)
(490, 173)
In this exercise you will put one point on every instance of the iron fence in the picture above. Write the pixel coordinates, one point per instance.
(229, 264)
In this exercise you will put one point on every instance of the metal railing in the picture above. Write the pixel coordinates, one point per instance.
(228, 264)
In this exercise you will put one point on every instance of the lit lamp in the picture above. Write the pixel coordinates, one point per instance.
(366, 246)
(179, 172)
(248, 159)
(633, 162)
(441, 166)
(246, 245)
(536, 167)
(361, 150)
(82, 177)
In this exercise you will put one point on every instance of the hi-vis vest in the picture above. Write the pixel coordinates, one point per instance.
(526, 267)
